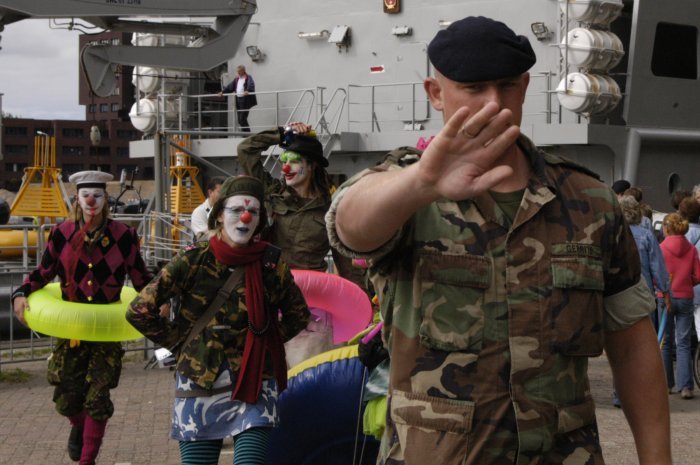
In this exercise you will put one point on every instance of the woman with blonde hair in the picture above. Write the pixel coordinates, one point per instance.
(683, 265)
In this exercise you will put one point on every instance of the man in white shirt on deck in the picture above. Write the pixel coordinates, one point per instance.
(200, 215)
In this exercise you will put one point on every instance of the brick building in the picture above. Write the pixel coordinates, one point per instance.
(74, 149)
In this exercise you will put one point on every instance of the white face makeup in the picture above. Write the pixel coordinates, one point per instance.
(91, 200)
(241, 216)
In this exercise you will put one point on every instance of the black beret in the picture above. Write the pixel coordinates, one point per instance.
(477, 49)
(309, 148)
(237, 185)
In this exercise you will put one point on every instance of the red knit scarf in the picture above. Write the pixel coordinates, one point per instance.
(249, 382)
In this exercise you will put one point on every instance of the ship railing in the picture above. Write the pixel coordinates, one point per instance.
(326, 126)
(378, 107)
(376, 104)
(209, 115)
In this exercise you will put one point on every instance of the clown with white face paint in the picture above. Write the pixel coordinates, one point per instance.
(92, 255)
(91, 201)
(243, 356)
(241, 217)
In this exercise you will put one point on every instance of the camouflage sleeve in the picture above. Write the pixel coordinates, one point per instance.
(291, 303)
(250, 158)
(335, 242)
(143, 312)
(627, 298)
(348, 271)
(139, 274)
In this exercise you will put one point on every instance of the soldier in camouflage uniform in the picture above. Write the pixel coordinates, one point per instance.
(241, 349)
(91, 255)
(500, 270)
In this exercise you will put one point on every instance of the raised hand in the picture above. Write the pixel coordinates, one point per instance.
(466, 157)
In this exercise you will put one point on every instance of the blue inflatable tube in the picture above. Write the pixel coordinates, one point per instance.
(321, 413)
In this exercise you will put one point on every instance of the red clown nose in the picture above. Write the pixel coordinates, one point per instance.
(286, 169)
(246, 217)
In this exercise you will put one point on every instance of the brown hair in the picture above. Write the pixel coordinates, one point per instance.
(634, 192)
(675, 225)
(630, 209)
(689, 209)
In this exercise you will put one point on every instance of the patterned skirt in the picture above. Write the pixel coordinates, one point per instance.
(217, 416)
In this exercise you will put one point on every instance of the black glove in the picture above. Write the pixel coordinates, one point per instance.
(372, 353)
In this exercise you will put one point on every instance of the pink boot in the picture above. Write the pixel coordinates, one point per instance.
(93, 433)
(75, 440)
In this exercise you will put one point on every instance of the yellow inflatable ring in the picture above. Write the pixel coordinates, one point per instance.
(49, 314)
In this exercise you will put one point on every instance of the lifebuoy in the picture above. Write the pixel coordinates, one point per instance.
(321, 413)
(49, 314)
(345, 301)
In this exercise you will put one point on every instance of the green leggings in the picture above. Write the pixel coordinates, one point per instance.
(249, 448)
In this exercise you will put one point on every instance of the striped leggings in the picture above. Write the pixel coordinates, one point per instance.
(249, 448)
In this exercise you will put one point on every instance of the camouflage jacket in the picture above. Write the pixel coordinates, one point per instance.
(102, 264)
(195, 276)
(298, 226)
(489, 324)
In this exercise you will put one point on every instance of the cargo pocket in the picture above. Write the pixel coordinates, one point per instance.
(575, 319)
(56, 360)
(105, 365)
(452, 300)
(573, 417)
(431, 429)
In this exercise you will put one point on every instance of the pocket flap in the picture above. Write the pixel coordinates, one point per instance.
(433, 413)
(573, 417)
(456, 270)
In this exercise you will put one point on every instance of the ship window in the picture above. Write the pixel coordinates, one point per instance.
(675, 51)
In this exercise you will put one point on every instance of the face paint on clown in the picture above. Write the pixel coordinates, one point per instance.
(295, 168)
(91, 201)
(240, 217)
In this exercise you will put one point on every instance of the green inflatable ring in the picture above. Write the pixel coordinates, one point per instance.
(49, 314)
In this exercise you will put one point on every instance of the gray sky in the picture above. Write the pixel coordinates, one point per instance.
(39, 71)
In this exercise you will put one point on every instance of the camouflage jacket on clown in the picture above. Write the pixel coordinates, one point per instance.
(298, 225)
(195, 276)
(102, 264)
(490, 324)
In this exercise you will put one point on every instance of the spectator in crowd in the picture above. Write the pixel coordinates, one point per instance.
(244, 87)
(650, 256)
(677, 196)
(683, 266)
(200, 215)
(645, 209)
(689, 209)
(620, 186)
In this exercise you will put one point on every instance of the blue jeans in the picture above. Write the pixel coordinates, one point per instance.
(679, 329)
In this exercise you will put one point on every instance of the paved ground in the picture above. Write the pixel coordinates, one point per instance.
(31, 433)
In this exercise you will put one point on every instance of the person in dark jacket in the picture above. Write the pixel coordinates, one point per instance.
(243, 86)
(91, 254)
(299, 202)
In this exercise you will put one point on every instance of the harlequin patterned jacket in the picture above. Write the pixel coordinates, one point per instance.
(103, 263)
